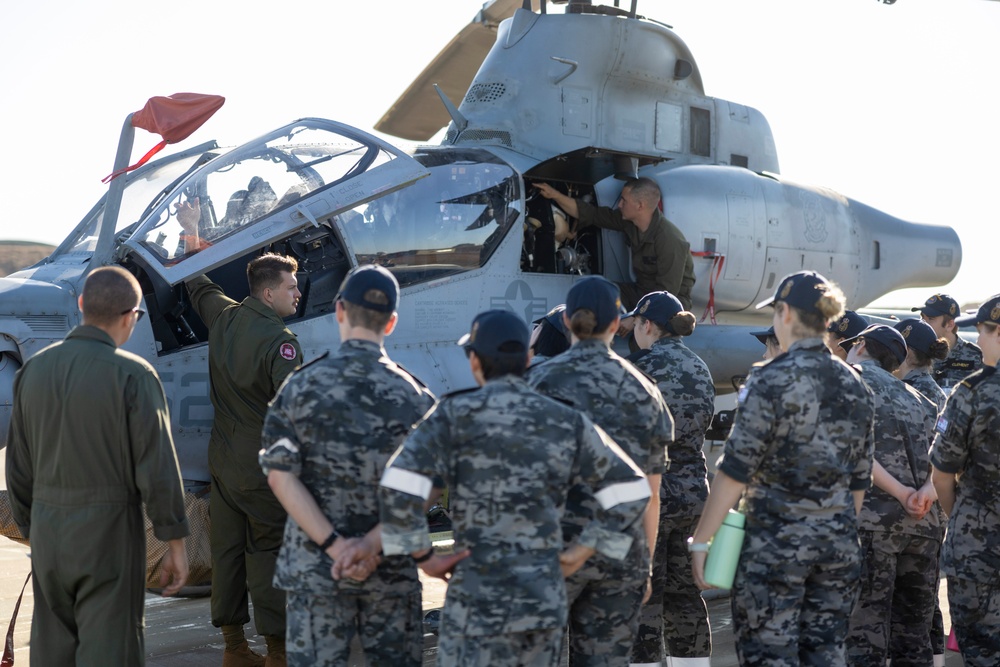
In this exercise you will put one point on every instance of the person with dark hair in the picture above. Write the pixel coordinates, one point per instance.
(88, 447)
(661, 256)
(549, 337)
(676, 613)
(849, 325)
(800, 457)
(966, 460)
(606, 596)
(250, 353)
(964, 358)
(772, 347)
(924, 347)
(508, 457)
(900, 537)
(328, 435)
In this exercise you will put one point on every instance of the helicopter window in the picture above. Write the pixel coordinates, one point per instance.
(139, 192)
(701, 132)
(445, 223)
(251, 184)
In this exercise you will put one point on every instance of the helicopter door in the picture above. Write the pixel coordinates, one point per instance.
(299, 176)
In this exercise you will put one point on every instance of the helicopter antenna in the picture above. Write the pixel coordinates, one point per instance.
(456, 116)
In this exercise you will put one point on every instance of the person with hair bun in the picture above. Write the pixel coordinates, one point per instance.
(800, 455)
(900, 536)
(676, 614)
(606, 595)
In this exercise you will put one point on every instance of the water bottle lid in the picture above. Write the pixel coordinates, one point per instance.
(735, 519)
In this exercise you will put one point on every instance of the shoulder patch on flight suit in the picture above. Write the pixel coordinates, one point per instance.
(287, 351)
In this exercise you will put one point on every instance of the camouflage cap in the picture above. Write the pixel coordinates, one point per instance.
(497, 334)
(939, 304)
(657, 307)
(598, 295)
(849, 325)
(801, 290)
(918, 334)
(988, 312)
(356, 286)
(885, 335)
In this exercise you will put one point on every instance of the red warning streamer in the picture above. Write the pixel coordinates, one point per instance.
(717, 261)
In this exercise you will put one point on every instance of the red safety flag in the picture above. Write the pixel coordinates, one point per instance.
(174, 118)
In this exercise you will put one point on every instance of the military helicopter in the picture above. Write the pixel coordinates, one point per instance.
(581, 100)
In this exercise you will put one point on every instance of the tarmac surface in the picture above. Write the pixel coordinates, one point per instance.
(179, 632)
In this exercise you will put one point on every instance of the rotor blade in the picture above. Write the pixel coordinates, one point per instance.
(418, 113)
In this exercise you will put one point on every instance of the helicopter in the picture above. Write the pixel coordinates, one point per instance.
(581, 100)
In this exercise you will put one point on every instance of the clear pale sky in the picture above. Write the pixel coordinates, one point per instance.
(891, 105)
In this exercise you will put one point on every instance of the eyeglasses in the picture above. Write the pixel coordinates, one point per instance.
(140, 313)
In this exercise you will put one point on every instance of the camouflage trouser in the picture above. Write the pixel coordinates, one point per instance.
(321, 627)
(793, 595)
(676, 611)
(975, 615)
(892, 618)
(539, 648)
(604, 610)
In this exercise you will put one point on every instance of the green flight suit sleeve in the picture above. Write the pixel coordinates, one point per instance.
(20, 476)
(207, 299)
(600, 216)
(283, 358)
(672, 252)
(157, 474)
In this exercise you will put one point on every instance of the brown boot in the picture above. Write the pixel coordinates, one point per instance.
(275, 652)
(238, 653)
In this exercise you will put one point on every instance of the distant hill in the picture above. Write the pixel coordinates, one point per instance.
(16, 255)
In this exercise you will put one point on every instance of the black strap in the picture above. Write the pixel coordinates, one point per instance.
(8, 649)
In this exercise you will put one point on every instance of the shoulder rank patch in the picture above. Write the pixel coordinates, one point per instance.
(288, 351)
(742, 395)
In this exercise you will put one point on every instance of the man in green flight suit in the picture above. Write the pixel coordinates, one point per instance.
(89, 444)
(250, 353)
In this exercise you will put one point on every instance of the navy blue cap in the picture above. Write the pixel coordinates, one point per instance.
(762, 336)
(988, 312)
(884, 334)
(849, 325)
(801, 290)
(598, 295)
(356, 286)
(657, 307)
(918, 334)
(497, 334)
(555, 318)
(939, 304)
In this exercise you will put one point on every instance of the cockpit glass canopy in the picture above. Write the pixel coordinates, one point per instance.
(251, 183)
(448, 222)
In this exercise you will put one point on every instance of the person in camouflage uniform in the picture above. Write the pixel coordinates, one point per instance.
(327, 436)
(899, 535)
(923, 347)
(964, 358)
(676, 611)
(508, 457)
(606, 596)
(800, 454)
(966, 459)
(849, 325)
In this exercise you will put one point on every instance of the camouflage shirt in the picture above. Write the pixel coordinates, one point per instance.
(922, 381)
(508, 457)
(334, 424)
(802, 440)
(618, 398)
(963, 359)
(686, 385)
(968, 442)
(904, 423)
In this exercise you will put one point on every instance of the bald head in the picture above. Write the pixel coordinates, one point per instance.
(108, 293)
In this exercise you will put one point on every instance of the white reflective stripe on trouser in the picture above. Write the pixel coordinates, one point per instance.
(623, 492)
(646, 664)
(689, 662)
(412, 483)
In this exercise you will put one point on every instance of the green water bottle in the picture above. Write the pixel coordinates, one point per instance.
(724, 552)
